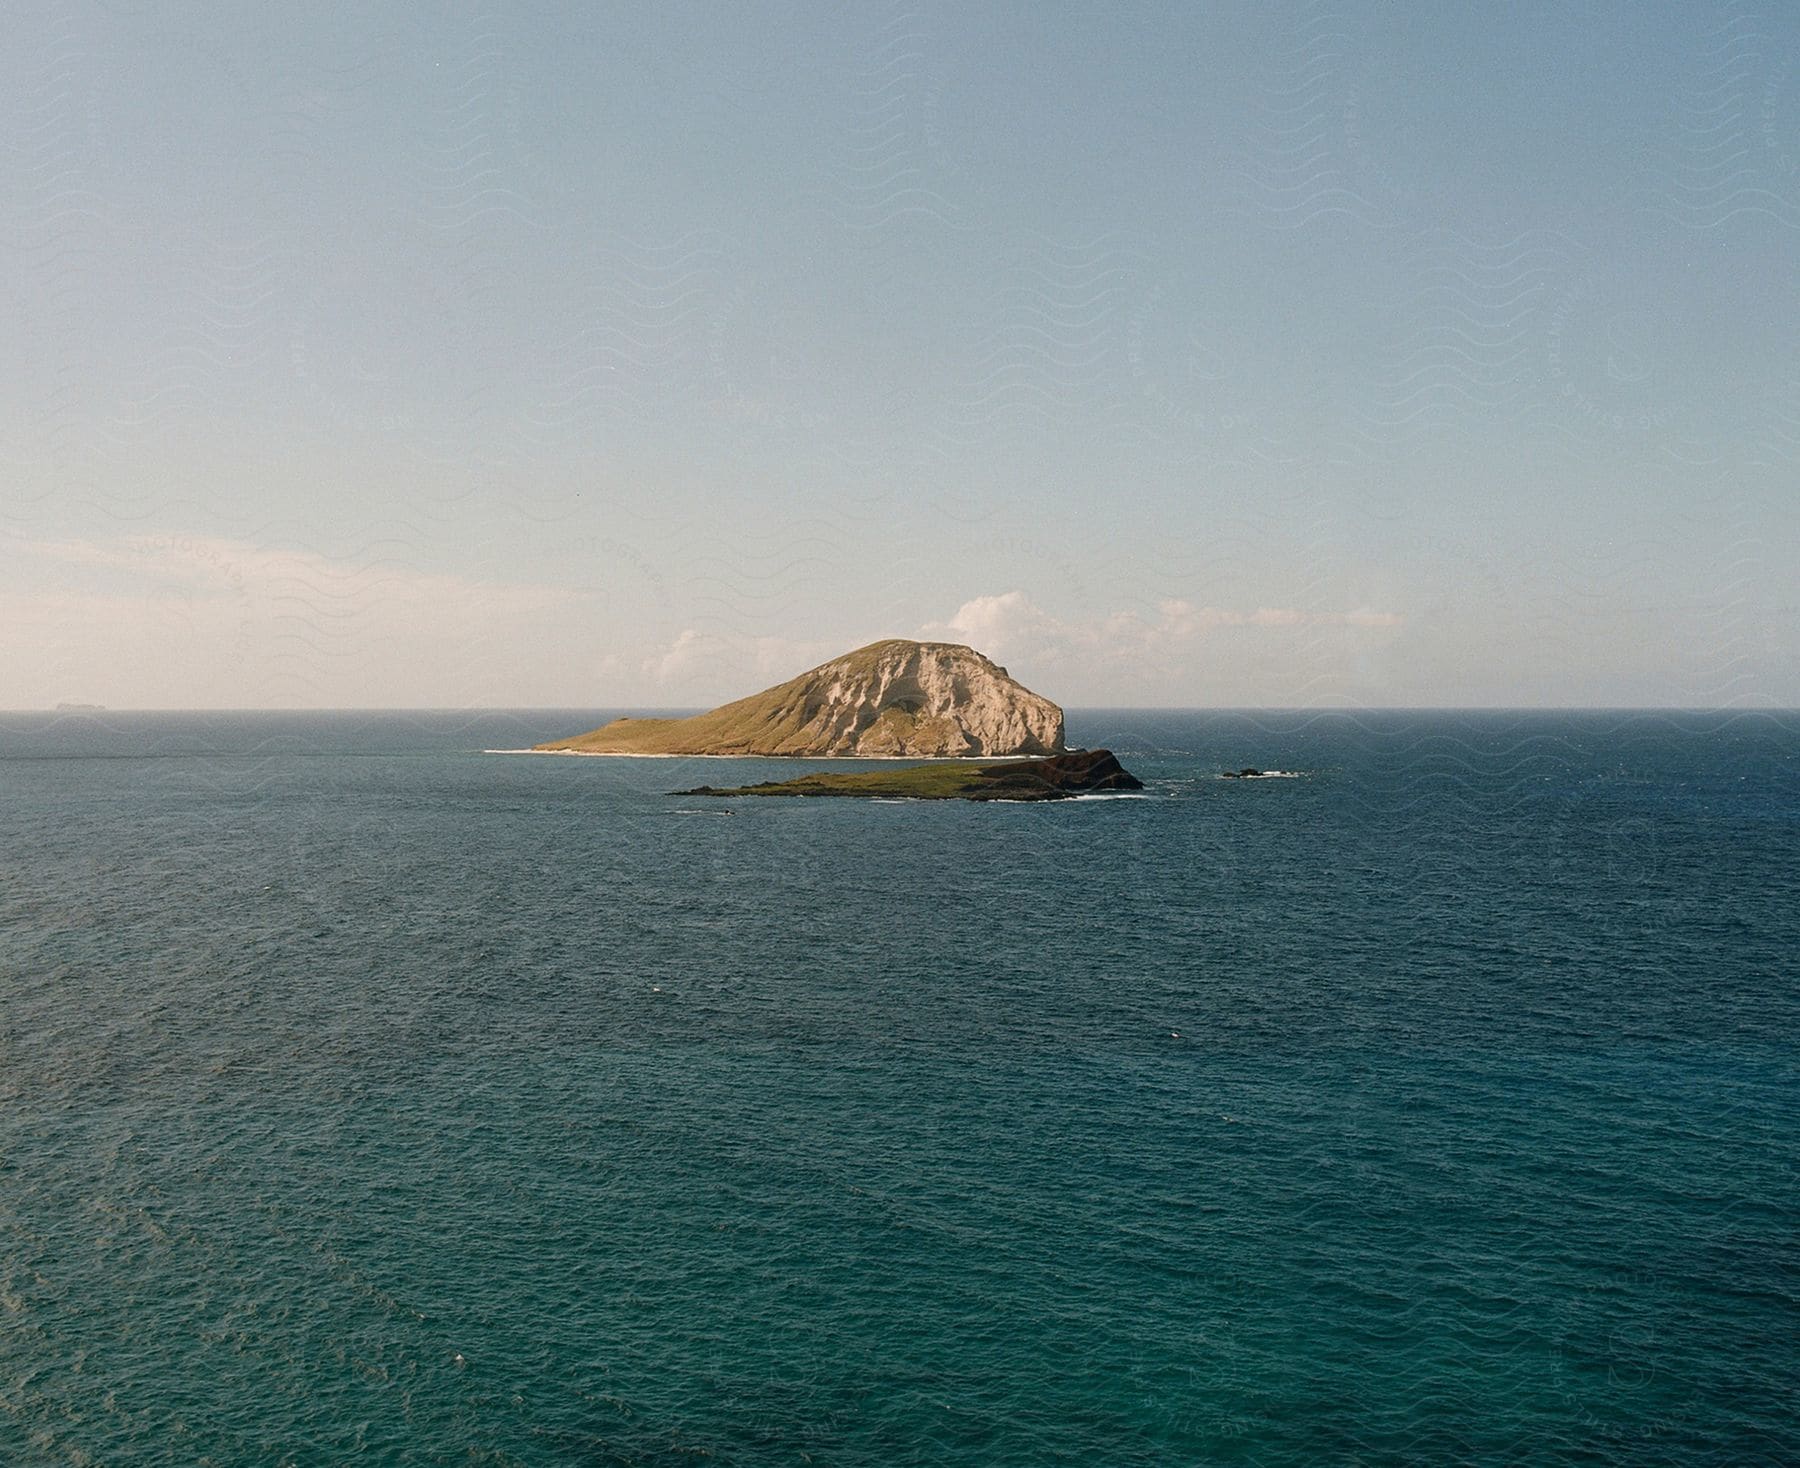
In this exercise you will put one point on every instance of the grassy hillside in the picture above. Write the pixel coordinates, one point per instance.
(814, 713)
(771, 722)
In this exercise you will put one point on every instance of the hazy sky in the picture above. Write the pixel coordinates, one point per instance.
(613, 355)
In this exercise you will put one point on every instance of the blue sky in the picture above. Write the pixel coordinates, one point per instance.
(1196, 354)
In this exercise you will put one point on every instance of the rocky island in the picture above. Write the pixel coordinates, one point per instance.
(895, 699)
(1059, 777)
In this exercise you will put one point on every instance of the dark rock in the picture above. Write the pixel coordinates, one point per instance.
(1053, 778)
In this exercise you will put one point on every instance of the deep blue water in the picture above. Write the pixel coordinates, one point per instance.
(362, 1095)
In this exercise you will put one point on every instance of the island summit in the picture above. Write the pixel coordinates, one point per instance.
(892, 699)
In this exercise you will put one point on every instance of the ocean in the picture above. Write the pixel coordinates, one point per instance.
(366, 1097)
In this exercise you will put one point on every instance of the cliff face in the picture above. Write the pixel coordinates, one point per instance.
(917, 699)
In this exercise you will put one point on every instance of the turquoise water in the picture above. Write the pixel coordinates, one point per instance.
(363, 1096)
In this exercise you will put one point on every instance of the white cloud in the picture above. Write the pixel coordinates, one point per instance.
(996, 625)
(1010, 623)
(709, 667)
(212, 566)
(682, 657)
(1368, 617)
(200, 621)
(1277, 617)
(1143, 655)
(169, 620)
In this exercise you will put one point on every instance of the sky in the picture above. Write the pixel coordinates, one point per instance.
(605, 356)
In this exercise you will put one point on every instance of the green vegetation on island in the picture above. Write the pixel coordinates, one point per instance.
(1058, 778)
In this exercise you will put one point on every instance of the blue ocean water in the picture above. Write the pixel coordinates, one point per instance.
(366, 1097)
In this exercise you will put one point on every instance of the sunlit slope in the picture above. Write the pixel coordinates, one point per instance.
(893, 698)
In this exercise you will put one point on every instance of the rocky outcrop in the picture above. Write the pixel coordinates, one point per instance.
(920, 700)
(1059, 777)
(1086, 772)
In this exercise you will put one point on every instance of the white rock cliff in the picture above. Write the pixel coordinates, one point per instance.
(893, 698)
(922, 698)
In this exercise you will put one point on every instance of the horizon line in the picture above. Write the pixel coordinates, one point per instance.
(92, 711)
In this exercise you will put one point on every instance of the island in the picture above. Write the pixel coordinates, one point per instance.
(892, 699)
(1059, 777)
